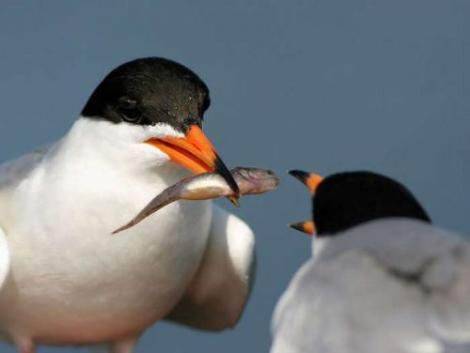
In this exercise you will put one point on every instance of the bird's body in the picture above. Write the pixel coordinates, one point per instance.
(382, 278)
(394, 285)
(68, 280)
(69, 275)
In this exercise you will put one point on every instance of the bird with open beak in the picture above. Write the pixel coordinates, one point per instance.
(382, 277)
(63, 279)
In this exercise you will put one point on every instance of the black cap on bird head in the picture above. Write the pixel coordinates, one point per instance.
(151, 91)
(344, 200)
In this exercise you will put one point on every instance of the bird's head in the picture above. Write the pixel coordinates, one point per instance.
(158, 105)
(344, 200)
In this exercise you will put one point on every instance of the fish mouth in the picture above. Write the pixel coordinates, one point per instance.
(260, 180)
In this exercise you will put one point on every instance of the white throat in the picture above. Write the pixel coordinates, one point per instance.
(63, 212)
(100, 169)
(122, 144)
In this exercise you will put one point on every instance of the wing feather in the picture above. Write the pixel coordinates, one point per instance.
(220, 289)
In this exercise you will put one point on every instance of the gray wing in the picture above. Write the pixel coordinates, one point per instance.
(434, 260)
(447, 284)
(339, 306)
(407, 292)
(220, 289)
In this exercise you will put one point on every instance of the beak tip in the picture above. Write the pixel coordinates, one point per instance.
(311, 180)
(222, 169)
(296, 226)
(304, 227)
(299, 174)
(234, 201)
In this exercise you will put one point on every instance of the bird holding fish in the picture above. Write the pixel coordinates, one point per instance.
(64, 280)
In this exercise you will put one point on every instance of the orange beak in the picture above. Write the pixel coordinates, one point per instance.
(310, 180)
(196, 153)
(307, 227)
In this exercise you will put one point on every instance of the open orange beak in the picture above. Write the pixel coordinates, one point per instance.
(307, 227)
(196, 153)
(311, 181)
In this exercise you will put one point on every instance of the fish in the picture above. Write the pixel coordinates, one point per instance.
(207, 186)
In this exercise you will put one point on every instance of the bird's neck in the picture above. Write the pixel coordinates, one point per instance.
(318, 246)
(101, 171)
(103, 150)
(86, 175)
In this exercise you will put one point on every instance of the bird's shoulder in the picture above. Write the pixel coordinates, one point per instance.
(402, 244)
(315, 309)
(218, 293)
(412, 253)
(418, 280)
(346, 304)
(14, 171)
(232, 234)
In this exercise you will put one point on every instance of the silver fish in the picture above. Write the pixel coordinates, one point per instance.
(251, 181)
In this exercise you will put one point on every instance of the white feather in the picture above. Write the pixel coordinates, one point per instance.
(70, 280)
(216, 297)
(395, 285)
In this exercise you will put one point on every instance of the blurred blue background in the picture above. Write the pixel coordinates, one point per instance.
(320, 85)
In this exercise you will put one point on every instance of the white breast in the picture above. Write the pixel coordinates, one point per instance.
(71, 280)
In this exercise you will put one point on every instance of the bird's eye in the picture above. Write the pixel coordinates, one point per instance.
(129, 111)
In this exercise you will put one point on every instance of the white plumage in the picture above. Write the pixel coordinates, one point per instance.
(396, 285)
(66, 280)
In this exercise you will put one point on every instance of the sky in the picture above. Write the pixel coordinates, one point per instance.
(320, 85)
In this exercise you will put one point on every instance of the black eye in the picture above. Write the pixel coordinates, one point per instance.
(129, 111)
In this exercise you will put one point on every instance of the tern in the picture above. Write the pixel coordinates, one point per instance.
(382, 277)
(64, 279)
